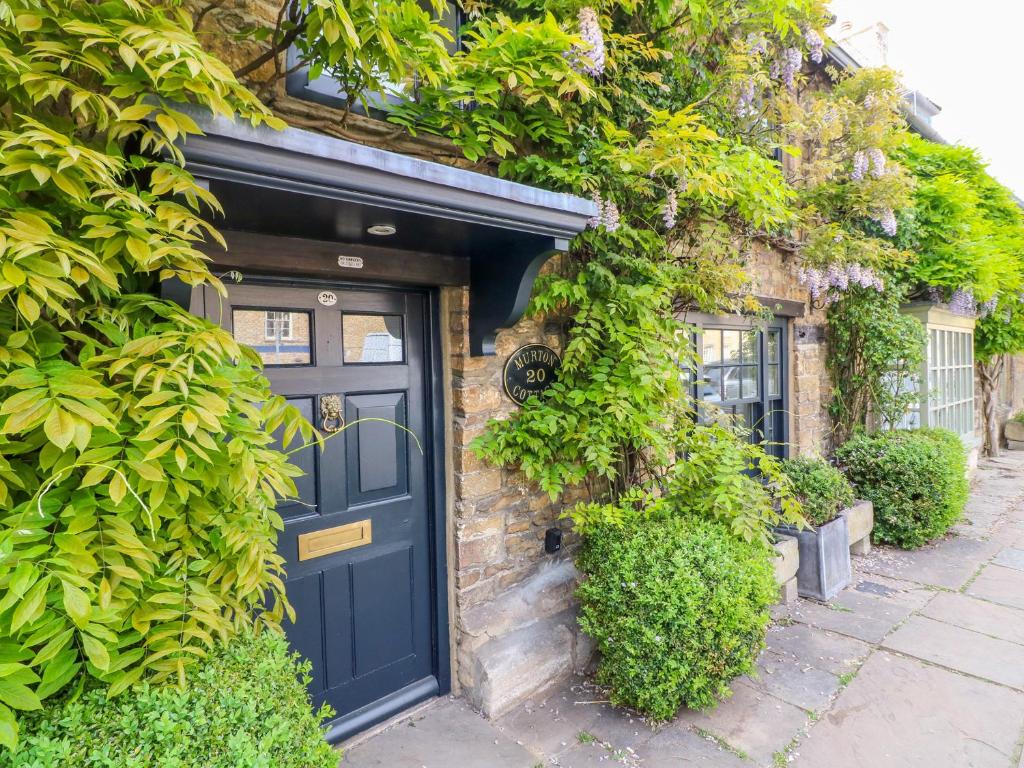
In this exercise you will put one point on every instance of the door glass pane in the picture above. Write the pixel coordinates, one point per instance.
(711, 388)
(731, 346)
(773, 346)
(751, 347)
(749, 373)
(281, 337)
(372, 338)
(774, 388)
(731, 382)
(712, 343)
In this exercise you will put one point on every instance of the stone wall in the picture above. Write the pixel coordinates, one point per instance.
(773, 273)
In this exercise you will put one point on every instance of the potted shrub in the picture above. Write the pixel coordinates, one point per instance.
(825, 545)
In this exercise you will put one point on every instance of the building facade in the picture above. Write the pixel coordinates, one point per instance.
(384, 282)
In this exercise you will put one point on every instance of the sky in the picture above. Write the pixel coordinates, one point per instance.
(967, 57)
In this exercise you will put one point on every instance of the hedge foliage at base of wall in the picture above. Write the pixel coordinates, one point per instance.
(677, 607)
(245, 706)
(916, 480)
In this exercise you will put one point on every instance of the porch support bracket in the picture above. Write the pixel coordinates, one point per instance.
(499, 290)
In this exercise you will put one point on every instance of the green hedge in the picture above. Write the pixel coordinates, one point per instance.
(916, 480)
(245, 707)
(821, 488)
(678, 608)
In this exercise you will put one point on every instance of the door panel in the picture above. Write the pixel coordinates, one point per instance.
(362, 592)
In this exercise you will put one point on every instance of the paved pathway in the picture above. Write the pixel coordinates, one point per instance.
(920, 664)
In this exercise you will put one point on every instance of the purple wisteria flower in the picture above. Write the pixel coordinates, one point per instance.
(593, 48)
(610, 216)
(815, 45)
(758, 43)
(595, 221)
(869, 100)
(888, 222)
(792, 58)
(837, 278)
(860, 165)
(745, 100)
(987, 308)
(668, 213)
(877, 158)
(962, 302)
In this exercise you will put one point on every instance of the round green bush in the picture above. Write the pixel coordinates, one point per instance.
(677, 608)
(821, 488)
(245, 706)
(916, 480)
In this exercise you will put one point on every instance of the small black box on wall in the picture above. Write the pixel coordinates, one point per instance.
(553, 540)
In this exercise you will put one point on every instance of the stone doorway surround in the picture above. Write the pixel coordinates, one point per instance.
(919, 664)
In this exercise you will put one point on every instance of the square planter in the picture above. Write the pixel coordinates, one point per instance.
(787, 563)
(860, 520)
(824, 559)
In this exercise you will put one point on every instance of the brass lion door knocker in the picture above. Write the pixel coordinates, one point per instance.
(331, 419)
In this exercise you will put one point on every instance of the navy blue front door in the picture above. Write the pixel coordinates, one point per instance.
(357, 539)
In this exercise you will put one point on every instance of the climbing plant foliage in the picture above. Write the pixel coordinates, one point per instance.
(137, 472)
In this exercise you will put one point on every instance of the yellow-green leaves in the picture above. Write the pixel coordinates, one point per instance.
(137, 475)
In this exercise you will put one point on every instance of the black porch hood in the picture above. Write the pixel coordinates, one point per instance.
(299, 184)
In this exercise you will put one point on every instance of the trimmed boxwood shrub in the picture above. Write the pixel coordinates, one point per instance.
(245, 706)
(916, 480)
(821, 488)
(677, 607)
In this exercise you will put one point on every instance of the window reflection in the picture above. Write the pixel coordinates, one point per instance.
(373, 338)
(281, 337)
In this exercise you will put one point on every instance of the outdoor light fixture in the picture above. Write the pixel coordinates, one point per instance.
(381, 230)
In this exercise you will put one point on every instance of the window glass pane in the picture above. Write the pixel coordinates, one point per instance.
(731, 382)
(711, 388)
(712, 341)
(372, 338)
(751, 347)
(749, 388)
(281, 337)
(773, 346)
(731, 346)
(774, 385)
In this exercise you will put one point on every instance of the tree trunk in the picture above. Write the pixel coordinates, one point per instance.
(988, 374)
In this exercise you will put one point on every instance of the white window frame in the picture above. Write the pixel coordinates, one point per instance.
(277, 324)
(947, 397)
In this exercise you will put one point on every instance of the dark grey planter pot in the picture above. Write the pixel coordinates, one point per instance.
(824, 559)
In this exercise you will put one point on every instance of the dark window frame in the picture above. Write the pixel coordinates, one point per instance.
(773, 434)
(327, 92)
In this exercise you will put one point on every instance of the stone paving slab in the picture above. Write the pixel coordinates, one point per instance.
(445, 735)
(1010, 557)
(977, 615)
(961, 649)
(1000, 585)
(903, 713)
(868, 611)
(753, 723)
(949, 563)
(829, 651)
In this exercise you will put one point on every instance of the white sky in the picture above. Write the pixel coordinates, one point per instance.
(966, 57)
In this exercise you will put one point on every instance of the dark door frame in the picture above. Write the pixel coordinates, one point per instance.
(434, 447)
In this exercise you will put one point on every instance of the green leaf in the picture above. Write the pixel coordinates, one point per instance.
(18, 696)
(8, 728)
(96, 652)
(76, 603)
(31, 606)
(60, 428)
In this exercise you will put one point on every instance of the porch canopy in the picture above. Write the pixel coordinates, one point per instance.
(325, 197)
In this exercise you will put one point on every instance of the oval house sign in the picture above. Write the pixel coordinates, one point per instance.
(529, 371)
